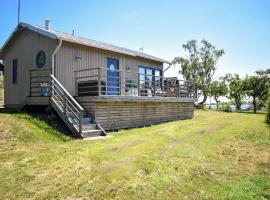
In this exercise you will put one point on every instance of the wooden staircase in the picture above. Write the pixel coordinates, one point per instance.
(72, 113)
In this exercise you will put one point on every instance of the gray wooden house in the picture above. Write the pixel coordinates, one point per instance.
(93, 86)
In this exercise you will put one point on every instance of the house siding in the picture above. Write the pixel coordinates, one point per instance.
(66, 65)
(24, 47)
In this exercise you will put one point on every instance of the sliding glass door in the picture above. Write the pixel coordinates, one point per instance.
(150, 80)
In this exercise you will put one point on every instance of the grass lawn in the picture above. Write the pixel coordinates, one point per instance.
(214, 156)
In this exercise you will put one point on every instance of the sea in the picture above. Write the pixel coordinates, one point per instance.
(243, 106)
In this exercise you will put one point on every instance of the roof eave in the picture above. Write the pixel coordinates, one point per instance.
(108, 49)
(7, 41)
(155, 59)
(48, 34)
(23, 26)
(40, 31)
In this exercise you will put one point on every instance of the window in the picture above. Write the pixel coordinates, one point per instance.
(14, 72)
(158, 79)
(149, 78)
(40, 59)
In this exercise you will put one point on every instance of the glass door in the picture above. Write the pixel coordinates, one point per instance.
(113, 78)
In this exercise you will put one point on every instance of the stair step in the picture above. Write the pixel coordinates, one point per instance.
(91, 133)
(89, 126)
(97, 138)
(86, 120)
(92, 130)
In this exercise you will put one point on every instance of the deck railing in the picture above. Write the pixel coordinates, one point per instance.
(44, 84)
(102, 82)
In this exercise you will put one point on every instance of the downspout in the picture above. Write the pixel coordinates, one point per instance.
(53, 56)
(170, 64)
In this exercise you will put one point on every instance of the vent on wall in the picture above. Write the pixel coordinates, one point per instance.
(78, 58)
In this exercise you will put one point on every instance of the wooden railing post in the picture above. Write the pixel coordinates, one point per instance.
(179, 89)
(99, 82)
(81, 122)
(191, 90)
(167, 87)
(138, 84)
(120, 83)
(187, 84)
(122, 76)
(30, 84)
(50, 88)
(76, 84)
(154, 85)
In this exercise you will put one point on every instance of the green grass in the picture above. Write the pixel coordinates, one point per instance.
(214, 156)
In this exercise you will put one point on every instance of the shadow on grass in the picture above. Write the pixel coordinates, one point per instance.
(250, 112)
(44, 121)
(236, 111)
(9, 111)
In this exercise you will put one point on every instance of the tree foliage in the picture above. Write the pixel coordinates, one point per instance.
(226, 79)
(200, 65)
(256, 87)
(267, 116)
(265, 73)
(236, 91)
(218, 89)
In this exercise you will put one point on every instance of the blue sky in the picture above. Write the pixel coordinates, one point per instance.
(240, 27)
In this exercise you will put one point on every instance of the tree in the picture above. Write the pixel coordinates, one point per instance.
(190, 66)
(265, 73)
(226, 79)
(267, 116)
(236, 91)
(256, 87)
(200, 66)
(218, 89)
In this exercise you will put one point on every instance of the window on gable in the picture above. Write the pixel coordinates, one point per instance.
(14, 70)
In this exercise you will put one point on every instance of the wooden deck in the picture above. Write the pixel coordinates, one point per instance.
(148, 102)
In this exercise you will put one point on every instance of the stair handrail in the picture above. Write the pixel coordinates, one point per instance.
(66, 98)
(100, 127)
(67, 93)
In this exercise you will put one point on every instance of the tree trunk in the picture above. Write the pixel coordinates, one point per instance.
(196, 92)
(204, 98)
(238, 106)
(216, 99)
(254, 105)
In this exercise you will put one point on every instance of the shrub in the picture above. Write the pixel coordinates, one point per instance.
(267, 117)
(224, 107)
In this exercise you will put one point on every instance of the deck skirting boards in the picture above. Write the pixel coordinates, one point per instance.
(120, 114)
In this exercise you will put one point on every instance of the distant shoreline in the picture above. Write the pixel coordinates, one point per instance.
(244, 106)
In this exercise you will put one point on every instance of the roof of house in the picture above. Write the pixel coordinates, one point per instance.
(83, 41)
